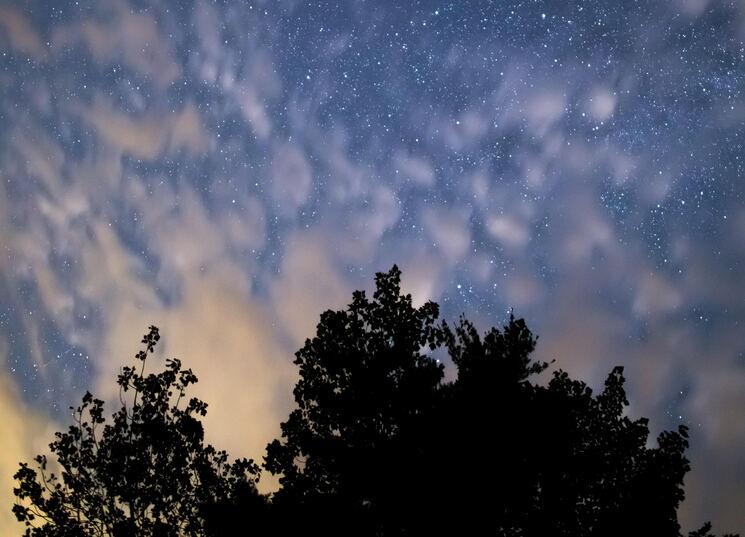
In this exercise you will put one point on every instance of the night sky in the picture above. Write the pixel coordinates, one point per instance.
(227, 171)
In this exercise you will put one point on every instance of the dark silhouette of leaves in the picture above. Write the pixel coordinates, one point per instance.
(380, 444)
(147, 472)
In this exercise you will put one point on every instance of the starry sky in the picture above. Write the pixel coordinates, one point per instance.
(228, 170)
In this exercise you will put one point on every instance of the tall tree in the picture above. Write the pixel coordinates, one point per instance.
(552, 459)
(363, 380)
(379, 444)
(147, 472)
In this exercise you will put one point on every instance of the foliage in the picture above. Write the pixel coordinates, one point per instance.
(363, 381)
(380, 444)
(147, 472)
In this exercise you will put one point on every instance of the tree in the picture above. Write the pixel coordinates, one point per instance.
(561, 461)
(363, 382)
(146, 473)
(380, 444)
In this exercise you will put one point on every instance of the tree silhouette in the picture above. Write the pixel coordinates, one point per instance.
(561, 461)
(146, 473)
(380, 444)
(363, 382)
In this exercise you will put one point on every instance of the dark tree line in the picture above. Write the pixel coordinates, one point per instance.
(379, 444)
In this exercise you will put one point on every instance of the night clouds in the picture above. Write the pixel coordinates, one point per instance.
(226, 171)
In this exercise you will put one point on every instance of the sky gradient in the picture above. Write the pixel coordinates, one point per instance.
(226, 171)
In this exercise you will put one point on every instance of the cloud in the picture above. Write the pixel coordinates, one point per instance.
(254, 110)
(583, 232)
(348, 181)
(254, 91)
(360, 227)
(622, 165)
(247, 229)
(207, 25)
(128, 36)
(577, 333)
(309, 283)
(480, 188)
(291, 179)
(416, 169)
(692, 8)
(543, 109)
(449, 229)
(242, 368)
(148, 136)
(602, 104)
(655, 295)
(25, 432)
(41, 158)
(185, 236)
(385, 210)
(214, 325)
(523, 290)
(656, 187)
(250, 85)
(21, 34)
(421, 276)
(509, 231)
(465, 131)
(537, 106)
(187, 130)
(718, 402)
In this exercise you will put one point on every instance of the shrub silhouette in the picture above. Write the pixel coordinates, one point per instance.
(146, 472)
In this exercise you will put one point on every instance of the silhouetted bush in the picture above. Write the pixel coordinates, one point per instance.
(146, 472)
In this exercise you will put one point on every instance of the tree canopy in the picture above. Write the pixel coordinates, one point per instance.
(380, 443)
(147, 472)
(381, 438)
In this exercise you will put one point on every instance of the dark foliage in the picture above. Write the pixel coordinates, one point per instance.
(147, 472)
(379, 444)
(364, 386)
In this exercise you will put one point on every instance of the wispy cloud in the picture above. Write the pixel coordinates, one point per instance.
(227, 173)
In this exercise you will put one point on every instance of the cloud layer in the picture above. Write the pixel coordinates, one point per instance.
(228, 172)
